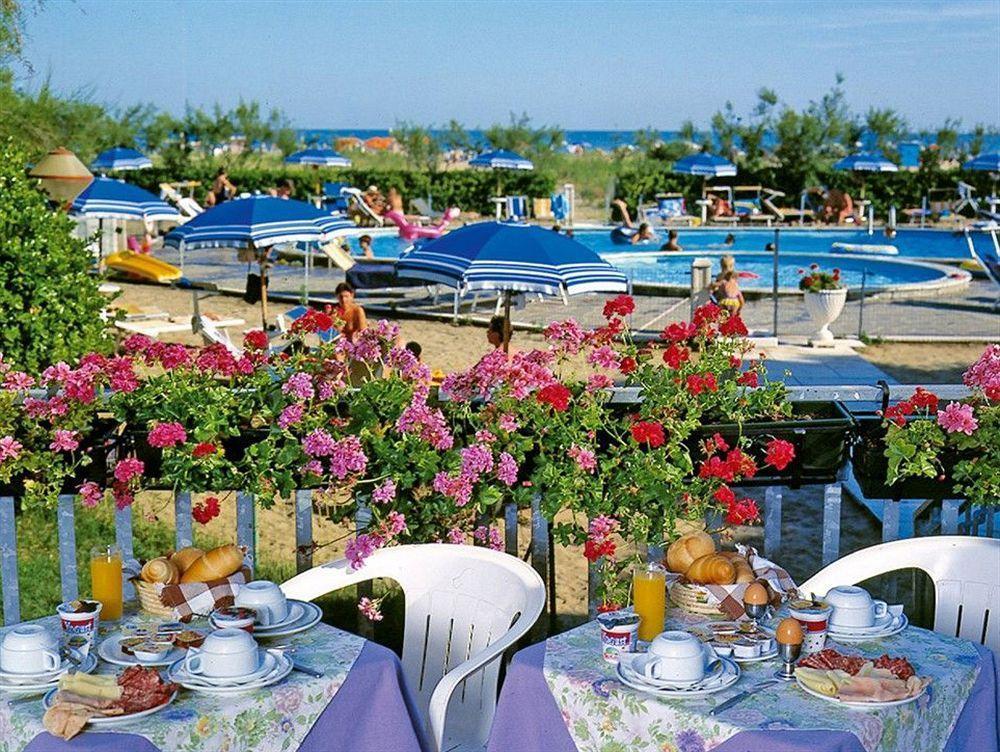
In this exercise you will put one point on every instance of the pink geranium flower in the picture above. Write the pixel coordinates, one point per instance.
(10, 449)
(64, 441)
(958, 418)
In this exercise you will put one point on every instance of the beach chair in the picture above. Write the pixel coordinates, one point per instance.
(465, 605)
(517, 207)
(962, 568)
(670, 209)
(559, 207)
(333, 200)
(356, 198)
(987, 254)
(186, 205)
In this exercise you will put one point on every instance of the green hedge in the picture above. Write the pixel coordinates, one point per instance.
(468, 189)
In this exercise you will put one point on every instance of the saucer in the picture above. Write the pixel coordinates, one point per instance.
(267, 663)
(295, 613)
(111, 651)
(627, 662)
(311, 614)
(728, 676)
(282, 668)
(33, 686)
(860, 634)
(10, 677)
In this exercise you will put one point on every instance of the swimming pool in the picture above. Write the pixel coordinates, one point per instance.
(799, 248)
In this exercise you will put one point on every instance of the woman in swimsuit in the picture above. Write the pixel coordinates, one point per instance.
(222, 189)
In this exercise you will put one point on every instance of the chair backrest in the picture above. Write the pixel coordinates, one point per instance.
(964, 571)
(463, 604)
(517, 207)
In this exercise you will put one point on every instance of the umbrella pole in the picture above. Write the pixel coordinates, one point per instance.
(263, 287)
(506, 321)
(100, 244)
(306, 283)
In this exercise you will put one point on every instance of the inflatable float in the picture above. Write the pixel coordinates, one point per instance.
(410, 231)
(623, 236)
(878, 250)
(145, 267)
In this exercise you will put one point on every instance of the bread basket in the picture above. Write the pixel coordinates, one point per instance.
(697, 600)
(149, 598)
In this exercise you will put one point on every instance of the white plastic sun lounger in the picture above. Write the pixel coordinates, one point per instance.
(359, 201)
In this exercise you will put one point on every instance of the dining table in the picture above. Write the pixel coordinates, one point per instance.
(361, 703)
(562, 696)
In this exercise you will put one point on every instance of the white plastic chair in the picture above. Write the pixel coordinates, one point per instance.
(464, 607)
(965, 572)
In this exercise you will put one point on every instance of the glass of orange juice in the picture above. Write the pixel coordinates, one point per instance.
(106, 580)
(649, 596)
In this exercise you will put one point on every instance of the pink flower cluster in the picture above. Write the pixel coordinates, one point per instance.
(164, 435)
(64, 441)
(394, 524)
(476, 460)
(985, 373)
(604, 357)
(455, 487)
(507, 469)
(384, 492)
(521, 374)
(489, 535)
(566, 337)
(363, 546)
(91, 494)
(291, 414)
(299, 385)
(129, 469)
(370, 609)
(407, 366)
(958, 418)
(10, 449)
(347, 458)
(429, 423)
(585, 459)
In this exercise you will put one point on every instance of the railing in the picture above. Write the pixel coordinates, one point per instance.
(956, 517)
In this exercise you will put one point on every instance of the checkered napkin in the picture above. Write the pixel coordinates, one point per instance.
(729, 598)
(201, 598)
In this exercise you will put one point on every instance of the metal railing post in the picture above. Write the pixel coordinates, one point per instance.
(861, 310)
(774, 283)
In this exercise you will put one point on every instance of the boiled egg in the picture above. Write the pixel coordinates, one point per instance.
(789, 632)
(755, 595)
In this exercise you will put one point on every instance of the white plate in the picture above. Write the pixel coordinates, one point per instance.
(857, 635)
(267, 662)
(42, 676)
(113, 720)
(627, 660)
(862, 705)
(282, 669)
(111, 651)
(311, 614)
(295, 613)
(87, 665)
(730, 676)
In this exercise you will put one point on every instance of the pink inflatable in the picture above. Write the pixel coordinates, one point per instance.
(408, 231)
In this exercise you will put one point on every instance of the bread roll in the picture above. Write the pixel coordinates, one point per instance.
(744, 572)
(160, 570)
(712, 569)
(683, 551)
(186, 557)
(214, 565)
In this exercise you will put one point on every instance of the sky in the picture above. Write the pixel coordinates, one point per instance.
(578, 65)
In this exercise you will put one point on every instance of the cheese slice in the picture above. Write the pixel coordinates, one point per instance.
(101, 686)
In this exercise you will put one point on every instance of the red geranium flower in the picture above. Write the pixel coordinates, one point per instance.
(555, 395)
(741, 512)
(733, 327)
(926, 400)
(675, 354)
(203, 449)
(255, 339)
(205, 512)
(725, 495)
(680, 331)
(623, 305)
(780, 453)
(647, 432)
(627, 365)
(594, 550)
(748, 378)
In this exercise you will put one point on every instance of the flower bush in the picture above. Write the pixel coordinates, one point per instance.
(920, 431)
(817, 280)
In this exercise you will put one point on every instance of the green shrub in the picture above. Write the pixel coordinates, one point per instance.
(49, 304)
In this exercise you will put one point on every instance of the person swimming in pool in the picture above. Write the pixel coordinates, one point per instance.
(671, 244)
(627, 233)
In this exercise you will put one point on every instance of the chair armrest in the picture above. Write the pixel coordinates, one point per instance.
(326, 578)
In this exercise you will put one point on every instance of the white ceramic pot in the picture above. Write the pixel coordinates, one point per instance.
(824, 307)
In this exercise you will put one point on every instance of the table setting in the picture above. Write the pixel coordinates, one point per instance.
(834, 671)
(258, 670)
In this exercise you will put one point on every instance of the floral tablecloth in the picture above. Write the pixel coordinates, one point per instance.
(275, 718)
(601, 714)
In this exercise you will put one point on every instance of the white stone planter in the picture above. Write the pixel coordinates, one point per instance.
(824, 307)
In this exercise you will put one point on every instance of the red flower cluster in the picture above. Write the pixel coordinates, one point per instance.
(735, 465)
(205, 512)
(255, 339)
(203, 449)
(680, 331)
(714, 444)
(698, 383)
(733, 326)
(748, 378)
(780, 453)
(706, 315)
(312, 321)
(647, 432)
(675, 355)
(924, 400)
(738, 511)
(594, 550)
(623, 305)
(627, 365)
(556, 395)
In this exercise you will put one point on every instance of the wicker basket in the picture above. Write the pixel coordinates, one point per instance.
(695, 598)
(149, 598)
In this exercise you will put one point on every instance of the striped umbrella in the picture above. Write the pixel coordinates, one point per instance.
(501, 159)
(108, 198)
(984, 163)
(705, 165)
(318, 158)
(121, 158)
(865, 161)
(510, 257)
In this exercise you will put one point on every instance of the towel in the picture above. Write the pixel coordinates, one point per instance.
(201, 598)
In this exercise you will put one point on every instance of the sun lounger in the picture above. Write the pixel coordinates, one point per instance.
(357, 197)
(333, 199)
(154, 327)
(186, 205)
(670, 209)
(987, 253)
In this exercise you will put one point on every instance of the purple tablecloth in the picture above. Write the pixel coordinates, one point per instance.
(528, 719)
(372, 711)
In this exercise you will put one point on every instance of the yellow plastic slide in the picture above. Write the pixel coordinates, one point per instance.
(143, 266)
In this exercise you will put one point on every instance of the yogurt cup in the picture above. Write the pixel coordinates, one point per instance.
(79, 621)
(814, 617)
(619, 634)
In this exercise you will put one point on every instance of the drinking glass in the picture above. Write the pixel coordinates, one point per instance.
(106, 580)
(649, 596)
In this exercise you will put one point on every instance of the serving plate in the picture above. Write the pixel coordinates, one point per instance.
(112, 720)
(110, 650)
(857, 704)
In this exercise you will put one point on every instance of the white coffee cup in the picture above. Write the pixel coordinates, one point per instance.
(676, 656)
(854, 607)
(29, 649)
(266, 599)
(225, 653)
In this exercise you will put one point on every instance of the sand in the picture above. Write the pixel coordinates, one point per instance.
(924, 363)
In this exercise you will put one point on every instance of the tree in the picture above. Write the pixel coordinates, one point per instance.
(419, 145)
(455, 137)
(887, 127)
(518, 136)
(49, 302)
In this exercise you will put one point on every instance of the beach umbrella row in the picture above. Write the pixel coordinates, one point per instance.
(501, 159)
(318, 158)
(109, 198)
(121, 158)
(705, 165)
(866, 161)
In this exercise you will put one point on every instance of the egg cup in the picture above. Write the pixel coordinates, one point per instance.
(789, 654)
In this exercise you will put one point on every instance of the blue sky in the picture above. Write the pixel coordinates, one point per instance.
(575, 64)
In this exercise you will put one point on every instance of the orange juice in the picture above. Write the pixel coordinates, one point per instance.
(106, 580)
(649, 596)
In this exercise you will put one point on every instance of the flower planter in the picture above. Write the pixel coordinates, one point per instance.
(870, 466)
(823, 308)
(819, 431)
(98, 443)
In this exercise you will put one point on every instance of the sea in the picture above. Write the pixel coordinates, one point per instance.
(587, 139)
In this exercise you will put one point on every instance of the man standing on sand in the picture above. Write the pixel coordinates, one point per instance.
(352, 314)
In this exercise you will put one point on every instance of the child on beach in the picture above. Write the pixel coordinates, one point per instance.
(352, 314)
(726, 287)
(365, 241)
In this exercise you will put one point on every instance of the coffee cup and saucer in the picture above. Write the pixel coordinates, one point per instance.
(677, 664)
(856, 615)
(229, 659)
(30, 658)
